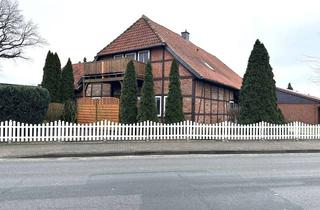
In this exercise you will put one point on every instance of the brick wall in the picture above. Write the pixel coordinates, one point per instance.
(307, 113)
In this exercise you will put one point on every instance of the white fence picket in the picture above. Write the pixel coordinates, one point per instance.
(11, 131)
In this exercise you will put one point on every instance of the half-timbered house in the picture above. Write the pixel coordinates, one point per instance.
(209, 87)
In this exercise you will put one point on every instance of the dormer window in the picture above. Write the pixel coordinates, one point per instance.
(144, 56)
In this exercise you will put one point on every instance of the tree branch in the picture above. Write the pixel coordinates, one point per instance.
(15, 33)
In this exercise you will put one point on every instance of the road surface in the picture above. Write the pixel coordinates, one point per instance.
(278, 181)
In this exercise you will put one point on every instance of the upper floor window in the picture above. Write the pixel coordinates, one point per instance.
(131, 55)
(118, 56)
(144, 56)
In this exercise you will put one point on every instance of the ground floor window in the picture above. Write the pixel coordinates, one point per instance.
(159, 104)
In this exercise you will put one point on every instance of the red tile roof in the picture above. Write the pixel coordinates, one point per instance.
(137, 36)
(145, 33)
(78, 72)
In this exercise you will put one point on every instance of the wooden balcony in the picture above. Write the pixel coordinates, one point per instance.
(112, 67)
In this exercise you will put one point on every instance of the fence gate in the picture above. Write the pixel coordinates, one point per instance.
(96, 109)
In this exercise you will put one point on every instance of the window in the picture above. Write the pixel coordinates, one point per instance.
(158, 104)
(209, 66)
(96, 90)
(231, 104)
(144, 56)
(164, 105)
(118, 56)
(131, 55)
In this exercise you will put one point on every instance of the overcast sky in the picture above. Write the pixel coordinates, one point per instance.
(290, 31)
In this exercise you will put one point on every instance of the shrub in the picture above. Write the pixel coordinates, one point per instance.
(55, 112)
(128, 98)
(174, 104)
(258, 100)
(67, 91)
(148, 109)
(23, 103)
(52, 76)
(70, 111)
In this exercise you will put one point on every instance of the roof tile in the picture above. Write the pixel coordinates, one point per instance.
(146, 33)
(138, 35)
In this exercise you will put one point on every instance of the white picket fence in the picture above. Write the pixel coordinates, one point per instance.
(11, 131)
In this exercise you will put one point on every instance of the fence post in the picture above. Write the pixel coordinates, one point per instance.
(295, 124)
(10, 131)
(260, 130)
(147, 130)
(59, 131)
(187, 134)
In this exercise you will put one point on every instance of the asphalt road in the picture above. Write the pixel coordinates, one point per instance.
(279, 181)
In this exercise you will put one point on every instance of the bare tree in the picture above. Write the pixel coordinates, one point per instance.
(15, 32)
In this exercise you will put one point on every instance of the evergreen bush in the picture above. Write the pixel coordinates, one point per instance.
(258, 100)
(174, 104)
(148, 109)
(128, 98)
(23, 103)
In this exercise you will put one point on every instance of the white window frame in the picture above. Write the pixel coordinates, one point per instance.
(143, 52)
(135, 55)
(118, 56)
(164, 104)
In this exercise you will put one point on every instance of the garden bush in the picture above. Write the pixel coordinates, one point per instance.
(26, 104)
(70, 111)
(55, 112)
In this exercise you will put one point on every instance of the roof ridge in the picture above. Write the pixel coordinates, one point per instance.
(163, 27)
(122, 33)
(146, 19)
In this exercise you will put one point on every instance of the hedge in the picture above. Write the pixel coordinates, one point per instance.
(26, 104)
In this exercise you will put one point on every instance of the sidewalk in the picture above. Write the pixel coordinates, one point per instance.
(42, 150)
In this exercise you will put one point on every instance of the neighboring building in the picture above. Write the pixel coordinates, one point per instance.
(298, 107)
(209, 87)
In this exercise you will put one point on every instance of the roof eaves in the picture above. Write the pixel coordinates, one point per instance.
(135, 49)
(221, 84)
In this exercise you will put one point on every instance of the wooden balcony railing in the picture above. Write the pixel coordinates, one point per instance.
(113, 66)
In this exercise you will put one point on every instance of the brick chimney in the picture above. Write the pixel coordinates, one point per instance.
(185, 35)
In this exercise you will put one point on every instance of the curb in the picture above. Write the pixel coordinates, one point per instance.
(147, 153)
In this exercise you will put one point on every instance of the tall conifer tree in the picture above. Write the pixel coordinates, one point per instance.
(47, 77)
(57, 73)
(148, 109)
(52, 76)
(51, 79)
(128, 98)
(67, 81)
(258, 101)
(174, 103)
